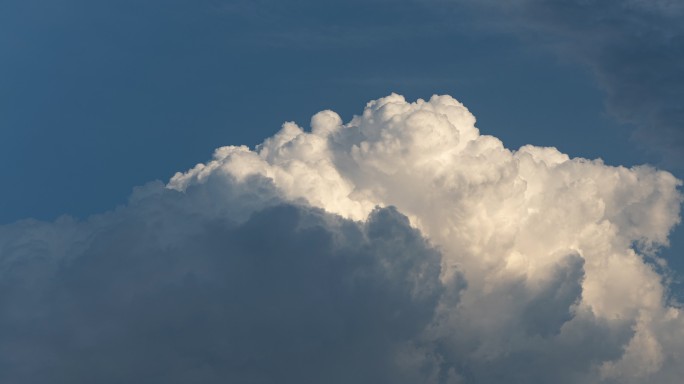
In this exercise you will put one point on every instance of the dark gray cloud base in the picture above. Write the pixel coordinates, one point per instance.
(227, 282)
(290, 295)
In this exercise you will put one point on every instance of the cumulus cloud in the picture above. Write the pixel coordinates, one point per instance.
(633, 47)
(402, 246)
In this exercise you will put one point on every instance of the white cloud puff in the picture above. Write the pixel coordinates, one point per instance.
(544, 268)
(502, 217)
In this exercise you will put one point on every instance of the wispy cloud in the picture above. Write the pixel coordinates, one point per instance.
(634, 48)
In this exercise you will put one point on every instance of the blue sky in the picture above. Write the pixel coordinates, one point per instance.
(99, 97)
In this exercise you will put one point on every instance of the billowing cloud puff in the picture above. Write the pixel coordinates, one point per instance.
(403, 246)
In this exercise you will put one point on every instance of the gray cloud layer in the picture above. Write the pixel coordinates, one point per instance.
(635, 48)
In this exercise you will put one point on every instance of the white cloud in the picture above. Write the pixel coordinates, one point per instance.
(543, 272)
(503, 217)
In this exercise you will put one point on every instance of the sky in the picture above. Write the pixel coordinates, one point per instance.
(140, 242)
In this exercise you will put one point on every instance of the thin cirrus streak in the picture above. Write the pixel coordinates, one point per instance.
(402, 247)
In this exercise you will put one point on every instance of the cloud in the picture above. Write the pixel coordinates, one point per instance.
(163, 292)
(633, 47)
(402, 246)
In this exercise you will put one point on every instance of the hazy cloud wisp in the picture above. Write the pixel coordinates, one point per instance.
(634, 48)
